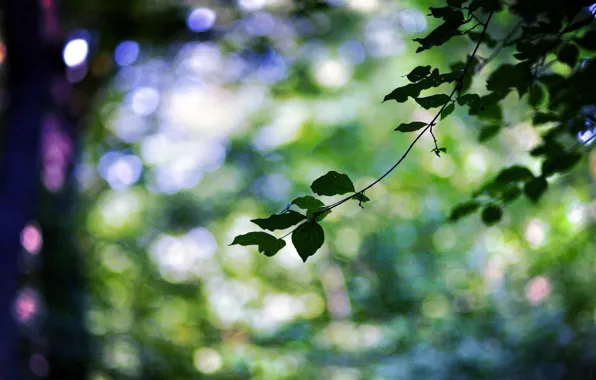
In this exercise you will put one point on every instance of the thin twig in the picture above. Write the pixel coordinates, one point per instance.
(429, 126)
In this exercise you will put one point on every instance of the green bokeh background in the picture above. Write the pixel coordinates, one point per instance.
(396, 292)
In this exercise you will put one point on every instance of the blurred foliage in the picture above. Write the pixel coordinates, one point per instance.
(227, 110)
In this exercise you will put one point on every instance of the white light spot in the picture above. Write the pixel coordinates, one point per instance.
(124, 172)
(535, 233)
(352, 52)
(144, 101)
(364, 6)
(251, 5)
(126, 53)
(207, 360)
(332, 73)
(75, 52)
(200, 19)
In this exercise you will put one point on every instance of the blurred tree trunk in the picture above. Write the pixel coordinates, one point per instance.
(19, 168)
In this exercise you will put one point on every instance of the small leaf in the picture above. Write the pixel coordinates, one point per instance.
(279, 221)
(543, 118)
(535, 188)
(444, 150)
(267, 244)
(439, 36)
(361, 198)
(514, 173)
(511, 194)
(537, 95)
(455, 3)
(419, 73)
(308, 203)
(509, 76)
(463, 209)
(411, 127)
(332, 183)
(588, 41)
(561, 163)
(470, 100)
(401, 94)
(491, 214)
(448, 110)
(433, 101)
(307, 239)
(568, 54)
(488, 131)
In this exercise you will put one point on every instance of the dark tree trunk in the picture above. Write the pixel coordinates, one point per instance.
(19, 167)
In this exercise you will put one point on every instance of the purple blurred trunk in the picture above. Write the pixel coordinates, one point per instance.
(19, 165)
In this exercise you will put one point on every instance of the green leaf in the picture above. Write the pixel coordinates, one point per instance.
(537, 95)
(491, 214)
(588, 41)
(439, 36)
(470, 100)
(361, 198)
(509, 76)
(549, 148)
(543, 118)
(463, 209)
(307, 239)
(488, 40)
(514, 173)
(511, 193)
(419, 73)
(568, 54)
(488, 131)
(560, 163)
(267, 244)
(279, 221)
(332, 183)
(411, 127)
(486, 5)
(433, 101)
(401, 94)
(320, 216)
(447, 110)
(444, 150)
(535, 188)
(308, 203)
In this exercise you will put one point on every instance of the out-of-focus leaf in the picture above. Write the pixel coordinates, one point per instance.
(267, 244)
(544, 117)
(511, 193)
(509, 76)
(433, 101)
(488, 131)
(411, 127)
(514, 173)
(279, 221)
(488, 40)
(419, 73)
(568, 54)
(535, 188)
(491, 214)
(588, 41)
(464, 209)
(537, 95)
(307, 239)
(486, 5)
(560, 163)
(470, 100)
(448, 110)
(332, 183)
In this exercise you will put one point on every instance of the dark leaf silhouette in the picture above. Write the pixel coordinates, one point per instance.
(307, 239)
(279, 221)
(332, 183)
(267, 244)
(411, 127)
